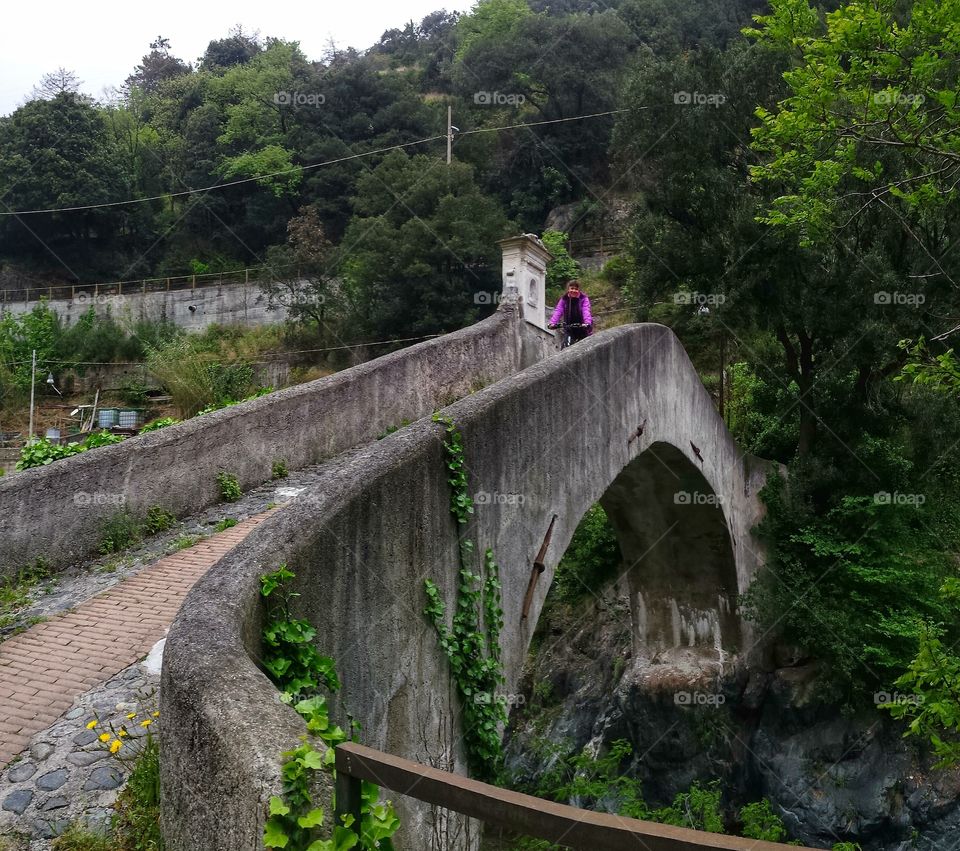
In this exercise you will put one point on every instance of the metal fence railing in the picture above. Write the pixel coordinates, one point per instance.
(580, 246)
(64, 292)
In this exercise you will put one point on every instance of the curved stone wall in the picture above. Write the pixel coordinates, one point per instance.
(553, 439)
(176, 467)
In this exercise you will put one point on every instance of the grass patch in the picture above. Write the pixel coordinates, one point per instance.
(22, 627)
(183, 542)
(226, 523)
(124, 530)
(119, 532)
(15, 591)
(137, 818)
(279, 469)
(80, 838)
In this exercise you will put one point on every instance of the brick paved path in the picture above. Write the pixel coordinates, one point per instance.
(43, 669)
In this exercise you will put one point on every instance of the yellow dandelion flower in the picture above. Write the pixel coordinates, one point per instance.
(117, 744)
(146, 723)
(131, 716)
(104, 737)
(92, 724)
(156, 714)
(121, 734)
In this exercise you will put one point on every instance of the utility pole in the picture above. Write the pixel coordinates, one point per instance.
(33, 381)
(449, 133)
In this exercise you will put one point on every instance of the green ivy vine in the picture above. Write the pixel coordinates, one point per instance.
(300, 671)
(472, 643)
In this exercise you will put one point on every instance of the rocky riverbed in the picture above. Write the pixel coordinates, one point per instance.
(831, 777)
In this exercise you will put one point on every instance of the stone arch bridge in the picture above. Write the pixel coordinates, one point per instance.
(621, 418)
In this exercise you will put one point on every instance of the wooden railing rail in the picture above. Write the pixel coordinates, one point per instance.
(523, 814)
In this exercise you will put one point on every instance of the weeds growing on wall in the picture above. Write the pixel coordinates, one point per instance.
(472, 642)
(119, 532)
(300, 671)
(158, 520)
(229, 487)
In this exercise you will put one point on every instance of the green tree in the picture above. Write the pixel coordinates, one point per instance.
(669, 29)
(562, 267)
(156, 67)
(59, 153)
(489, 20)
(39, 330)
(580, 73)
(420, 247)
(299, 280)
(871, 119)
(237, 48)
(591, 560)
(836, 308)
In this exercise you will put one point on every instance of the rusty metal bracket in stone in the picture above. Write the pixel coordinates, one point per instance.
(636, 435)
(538, 568)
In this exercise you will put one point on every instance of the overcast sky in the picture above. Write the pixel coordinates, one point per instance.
(103, 41)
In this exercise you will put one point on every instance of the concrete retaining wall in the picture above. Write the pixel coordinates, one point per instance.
(176, 467)
(118, 376)
(191, 309)
(364, 538)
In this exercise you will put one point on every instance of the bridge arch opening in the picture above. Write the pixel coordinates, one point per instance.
(678, 565)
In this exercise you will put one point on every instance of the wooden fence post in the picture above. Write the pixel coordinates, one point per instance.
(348, 799)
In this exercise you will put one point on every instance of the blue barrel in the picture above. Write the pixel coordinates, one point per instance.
(107, 417)
(130, 419)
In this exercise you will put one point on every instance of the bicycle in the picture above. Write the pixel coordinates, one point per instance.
(570, 335)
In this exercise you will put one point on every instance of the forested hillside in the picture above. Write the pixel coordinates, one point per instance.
(253, 105)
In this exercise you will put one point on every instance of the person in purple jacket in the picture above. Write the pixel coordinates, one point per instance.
(573, 309)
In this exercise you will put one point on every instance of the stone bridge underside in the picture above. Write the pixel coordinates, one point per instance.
(621, 418)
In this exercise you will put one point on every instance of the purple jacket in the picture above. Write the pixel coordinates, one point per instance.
(561, 312)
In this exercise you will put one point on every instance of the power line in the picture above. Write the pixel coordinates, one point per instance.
(217, 185)
(300, 168)
(550, 121)
(275, 355)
